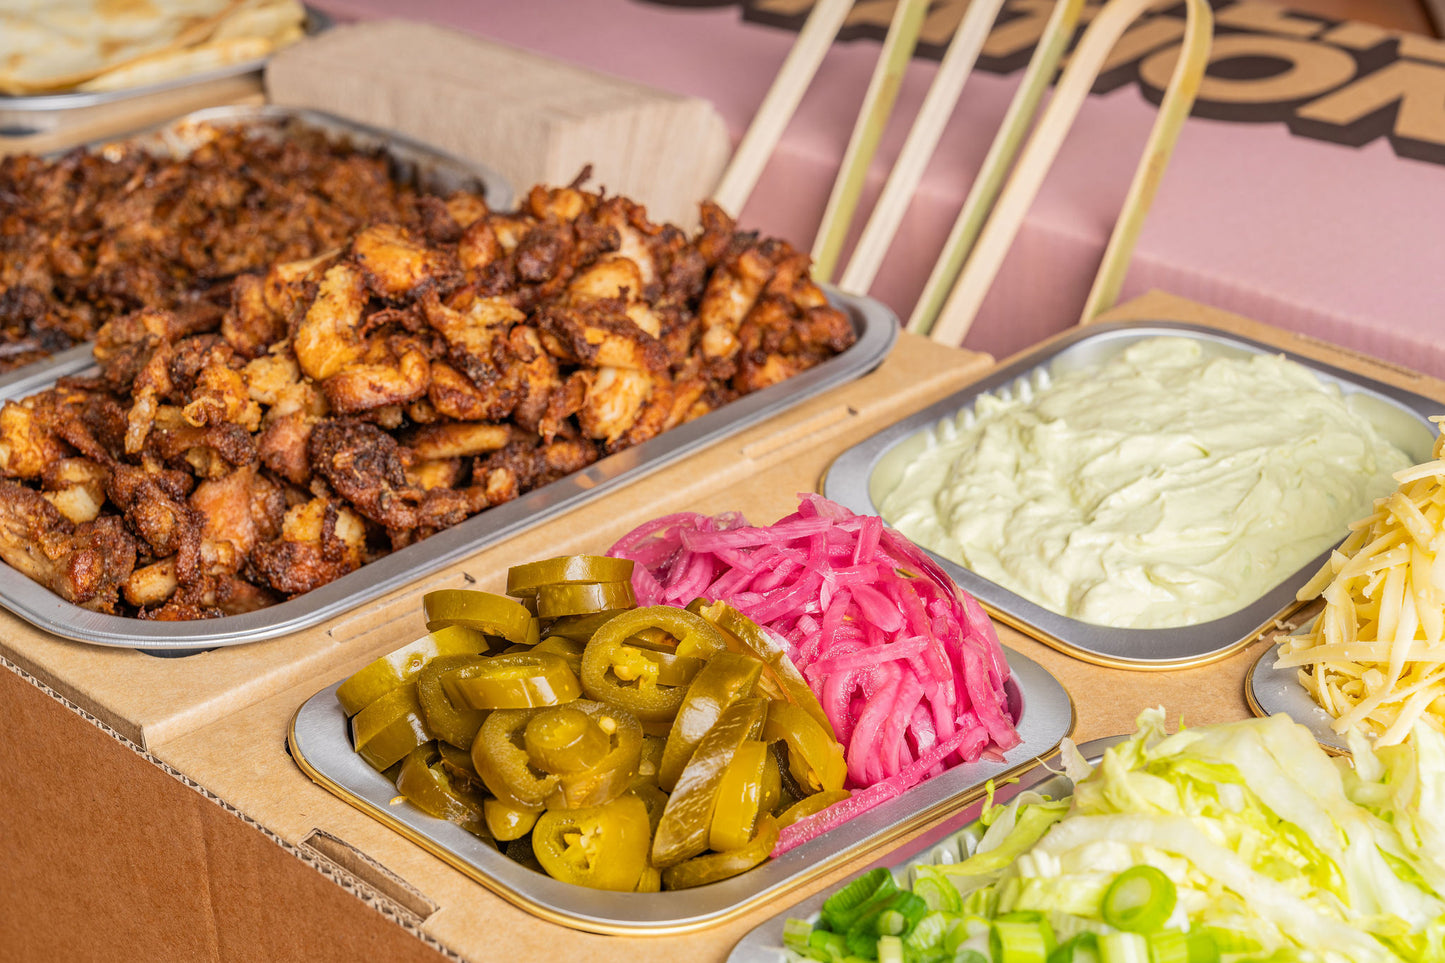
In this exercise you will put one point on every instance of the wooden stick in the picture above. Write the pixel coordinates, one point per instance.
(1050, 49)
(781, 100)
(893, 60)
(1173, 111)
(918, 148)
(997, 236)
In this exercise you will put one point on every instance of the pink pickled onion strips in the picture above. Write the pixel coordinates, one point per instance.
(906, 665)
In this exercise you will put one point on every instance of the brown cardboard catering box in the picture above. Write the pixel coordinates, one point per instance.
(210, 844)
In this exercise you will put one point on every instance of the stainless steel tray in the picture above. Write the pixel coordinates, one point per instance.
(321, 745)
(412, 162)
(41, 113)
(875, 326)
(764, 943)
(1401, 415)
(1271, 691)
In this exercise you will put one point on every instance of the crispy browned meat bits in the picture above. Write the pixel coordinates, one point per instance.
(347, 405)
(96, 234)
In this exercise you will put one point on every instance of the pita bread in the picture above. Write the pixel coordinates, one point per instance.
(48, 46)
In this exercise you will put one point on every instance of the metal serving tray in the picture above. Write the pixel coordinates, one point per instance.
(764, 943)
(875, 326)
(1273, 691)
(320, 741)
(41, 113)
(855, 476)
(411, 162)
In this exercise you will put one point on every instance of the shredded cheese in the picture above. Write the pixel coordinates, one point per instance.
(1374, 657)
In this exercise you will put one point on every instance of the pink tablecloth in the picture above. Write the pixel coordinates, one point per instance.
(1342, 242)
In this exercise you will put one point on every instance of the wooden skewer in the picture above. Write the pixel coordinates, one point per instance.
(1058, 32)
(893, 60)
(781, 100)
(1173, 111)
(984, 261)
(918, 148)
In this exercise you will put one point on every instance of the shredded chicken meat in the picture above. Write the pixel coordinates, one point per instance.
(343, 406)
(95, 234)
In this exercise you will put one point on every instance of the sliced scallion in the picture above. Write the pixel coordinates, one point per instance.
(1139, 900)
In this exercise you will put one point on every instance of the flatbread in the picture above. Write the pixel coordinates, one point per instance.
(48, 46)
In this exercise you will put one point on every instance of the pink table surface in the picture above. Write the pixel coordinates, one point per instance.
(1339, 242)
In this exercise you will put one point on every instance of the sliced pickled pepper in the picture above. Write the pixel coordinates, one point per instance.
(507, 822)
(452, 723)
(483, 611)
(521, 680)
(726, 678)
(569, 649)
(376, 679)
(604, 847)
(561, 601)
(426, 785)
(611, 776)
(687, 820)
(565, 739)
(504, 766)
(526, 580)
(623, 675)
(756, 641)
(390, 727)
(815, 759)
(739, 797)
(811, 805)
(713, 867)
(579, 628)
(772, 785)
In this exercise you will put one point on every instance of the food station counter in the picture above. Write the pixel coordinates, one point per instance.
(160, 796)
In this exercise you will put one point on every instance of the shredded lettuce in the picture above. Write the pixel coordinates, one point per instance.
(1276, 850)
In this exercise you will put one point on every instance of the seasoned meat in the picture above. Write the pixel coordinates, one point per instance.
(335, 406)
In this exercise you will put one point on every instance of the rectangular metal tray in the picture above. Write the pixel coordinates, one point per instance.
(321, 745)
(1269, 690)
(876, 328)
(1402, 416)
(411, 162)
(764, 942)
(41, 113)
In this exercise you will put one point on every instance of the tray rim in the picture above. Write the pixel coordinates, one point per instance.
(846, 480)
(1270, 691)
(797, 868)
(764, 942)
(877, 329)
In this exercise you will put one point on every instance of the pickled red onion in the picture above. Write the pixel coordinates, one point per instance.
(906, 665)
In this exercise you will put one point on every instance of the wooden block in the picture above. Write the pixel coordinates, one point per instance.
(532, 119)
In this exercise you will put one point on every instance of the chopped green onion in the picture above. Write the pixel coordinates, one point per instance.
(826, 946)
(1168, 946)
(891, 923)
(844, 907)
(796, 933)
(928, 933)
(1123, 948)
(1083, 948)
(969, 956)
(890, 949)
(1202, 947)
(1018, 941)
(936, 890)
(1139, 900)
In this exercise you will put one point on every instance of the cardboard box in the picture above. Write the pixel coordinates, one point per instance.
(210, 844)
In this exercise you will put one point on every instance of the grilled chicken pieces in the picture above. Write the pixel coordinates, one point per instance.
(346, 405)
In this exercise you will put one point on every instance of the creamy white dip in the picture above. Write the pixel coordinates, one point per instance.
(1163, 488)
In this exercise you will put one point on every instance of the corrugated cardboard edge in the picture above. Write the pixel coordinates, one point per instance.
(371, 892)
